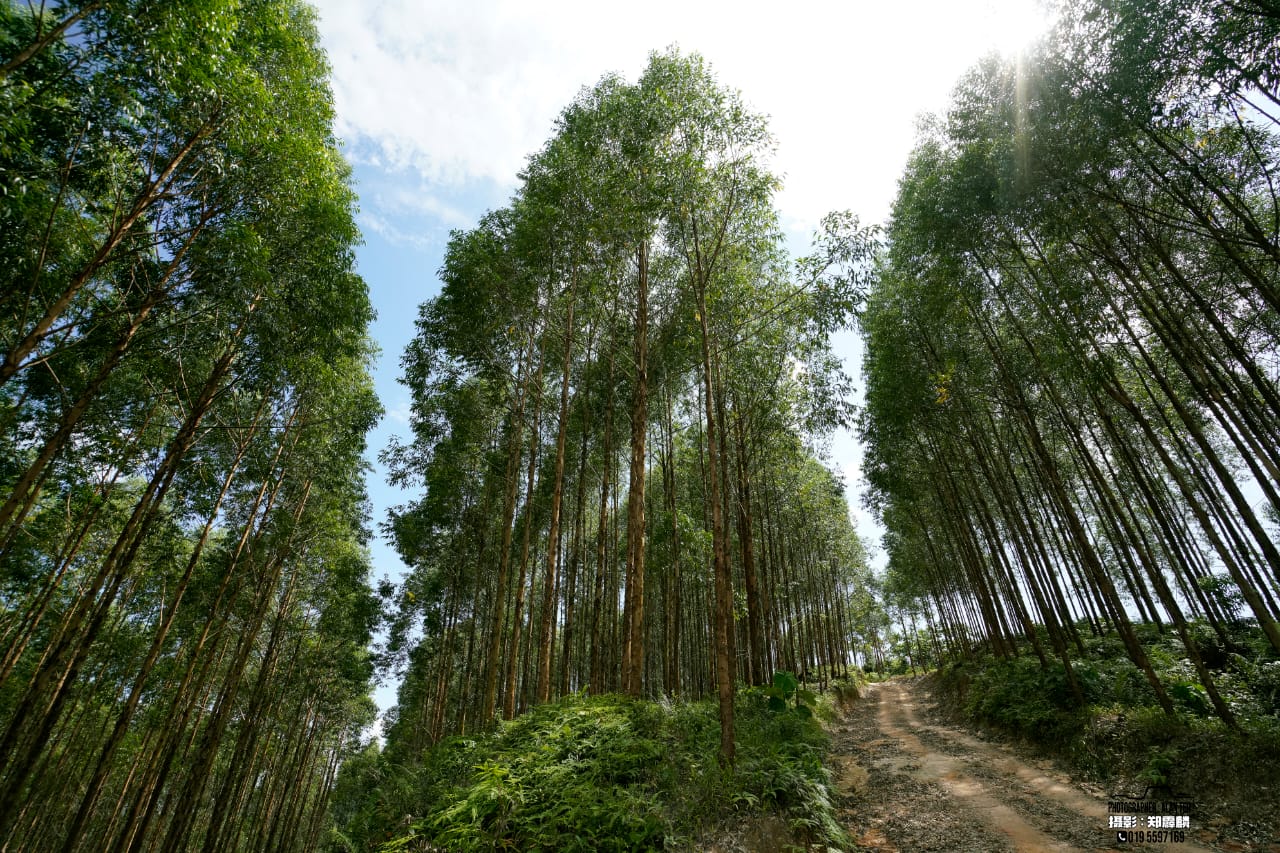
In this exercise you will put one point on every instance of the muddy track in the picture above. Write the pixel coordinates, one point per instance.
(910, 785)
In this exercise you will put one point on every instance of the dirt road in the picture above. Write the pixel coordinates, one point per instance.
(911, 785)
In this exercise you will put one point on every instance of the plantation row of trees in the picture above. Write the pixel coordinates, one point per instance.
(184, 609)
(612, 399)
(1073, 401)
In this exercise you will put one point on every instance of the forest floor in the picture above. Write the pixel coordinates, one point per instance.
(910, 781)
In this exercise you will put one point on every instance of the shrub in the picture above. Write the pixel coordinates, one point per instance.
(612, 773)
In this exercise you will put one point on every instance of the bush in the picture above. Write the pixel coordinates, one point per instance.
(611, 773)
(1121, 730)
(1019, 696)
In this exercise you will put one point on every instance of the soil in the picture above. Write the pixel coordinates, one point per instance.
(910, 782)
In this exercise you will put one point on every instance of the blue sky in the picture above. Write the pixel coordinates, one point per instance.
(438, 105)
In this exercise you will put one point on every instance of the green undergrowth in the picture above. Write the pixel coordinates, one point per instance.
(605, 773)
(1120, 734)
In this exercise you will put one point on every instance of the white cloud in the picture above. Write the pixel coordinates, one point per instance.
(392, 233)
(464, 91)
(421, 202)
(400, 413)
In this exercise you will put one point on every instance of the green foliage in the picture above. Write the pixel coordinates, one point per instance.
(1159, 764)
(786, 688)
(1121, 731)
(1018, 696)
(1022, 697)
(846, 689)
(595, 773)
(184, 395)
(1224, 591)
(1036, 407)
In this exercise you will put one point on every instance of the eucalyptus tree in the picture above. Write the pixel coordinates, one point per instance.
(185, 396)
(1072, 329)
(723, 192)
(630, 267)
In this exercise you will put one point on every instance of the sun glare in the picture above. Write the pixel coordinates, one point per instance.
(1014, 25)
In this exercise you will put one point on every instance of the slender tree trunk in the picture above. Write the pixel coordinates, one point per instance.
(723, 580)
(755, 628)
(509, 693)
(553, 534)
(633, 614)
(511, 483)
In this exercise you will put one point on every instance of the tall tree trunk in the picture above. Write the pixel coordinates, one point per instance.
(553, 534)
(511, 483)
(723, 580)
(755, 630)
(509, 693)
(633, 614)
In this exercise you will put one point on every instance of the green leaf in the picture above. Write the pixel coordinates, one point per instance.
(786, 682)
